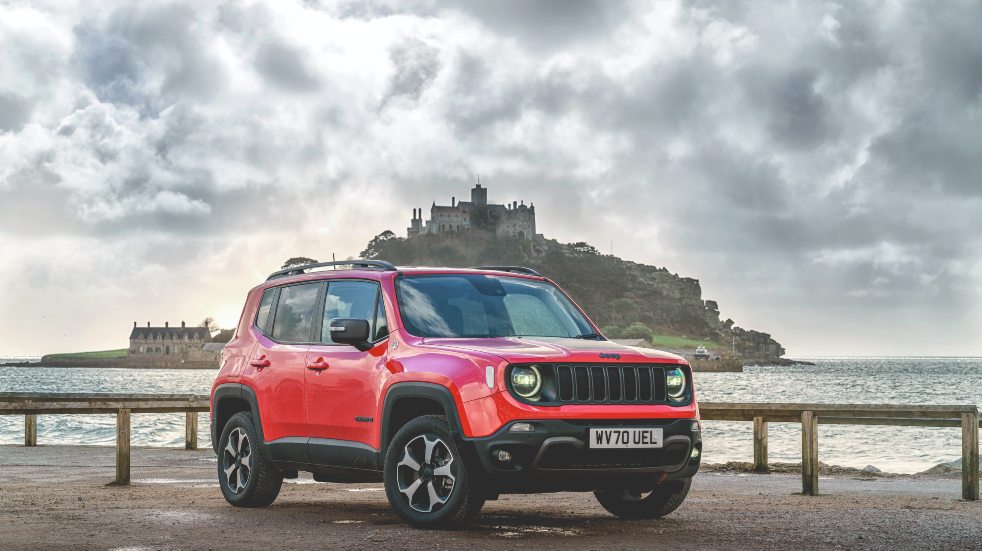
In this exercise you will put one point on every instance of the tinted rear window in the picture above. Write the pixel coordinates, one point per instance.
(262, 317)
(295, 312)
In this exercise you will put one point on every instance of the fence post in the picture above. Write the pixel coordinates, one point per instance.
(30, 429)
(122, 447)
(191, 431)
(760, 445)
(809, 453)
(970, 456)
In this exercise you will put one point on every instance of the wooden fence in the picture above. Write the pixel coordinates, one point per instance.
(810, 415)
(761, 414)
(122, 405)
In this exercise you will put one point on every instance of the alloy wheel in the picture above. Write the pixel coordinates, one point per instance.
(426, 473)
(236, 462)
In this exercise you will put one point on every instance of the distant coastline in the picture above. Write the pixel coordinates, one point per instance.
(105, 366)
(102, 363)
(703, 366)
(184, 352)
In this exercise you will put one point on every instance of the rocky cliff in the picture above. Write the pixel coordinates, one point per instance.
(617, 294)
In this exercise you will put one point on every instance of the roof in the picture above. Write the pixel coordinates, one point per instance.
(201, 333)
(362, 273)
(439, 270)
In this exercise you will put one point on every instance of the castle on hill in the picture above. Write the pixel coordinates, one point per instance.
(514, 220)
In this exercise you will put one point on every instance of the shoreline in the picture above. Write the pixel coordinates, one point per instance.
(125, 362)
(107, 366)
(776, 362)
(948, 470)
(37, 365)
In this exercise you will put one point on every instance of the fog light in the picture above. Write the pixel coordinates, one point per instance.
(503, 456)
(695, 426)
(695, 453)
(521, 427)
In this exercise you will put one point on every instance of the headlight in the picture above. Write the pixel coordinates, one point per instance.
(526, 381)
(675, 382)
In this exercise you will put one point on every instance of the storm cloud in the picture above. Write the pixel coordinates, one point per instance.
(815, 164)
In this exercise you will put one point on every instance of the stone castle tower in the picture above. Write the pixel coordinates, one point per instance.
(512, 220)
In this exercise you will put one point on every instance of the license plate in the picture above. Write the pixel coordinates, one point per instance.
(626, 438)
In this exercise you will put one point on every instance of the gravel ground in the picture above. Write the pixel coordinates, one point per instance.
(55, 497)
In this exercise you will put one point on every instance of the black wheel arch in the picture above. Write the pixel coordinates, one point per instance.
(412, 395)
(229, 399)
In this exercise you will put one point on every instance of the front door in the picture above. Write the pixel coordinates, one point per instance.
(342, 382)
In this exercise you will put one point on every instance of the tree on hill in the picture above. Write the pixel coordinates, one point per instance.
(297, 261)
(209, 324)
(582, 247)
(375, 246)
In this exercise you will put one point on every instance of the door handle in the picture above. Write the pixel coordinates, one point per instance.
(319, 363)
(259, 362)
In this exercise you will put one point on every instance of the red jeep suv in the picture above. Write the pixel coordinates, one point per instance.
(451, 386)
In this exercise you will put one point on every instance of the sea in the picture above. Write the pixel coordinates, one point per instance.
(830, 380)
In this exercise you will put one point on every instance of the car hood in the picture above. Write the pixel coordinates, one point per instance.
(552, 349)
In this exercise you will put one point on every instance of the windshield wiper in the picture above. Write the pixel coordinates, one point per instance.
(589, 336)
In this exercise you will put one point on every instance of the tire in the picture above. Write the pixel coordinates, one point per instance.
(628, 504)
(422, 463)
(245, 477)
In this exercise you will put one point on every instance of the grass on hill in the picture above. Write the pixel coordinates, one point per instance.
(671, 341)
(96, 355)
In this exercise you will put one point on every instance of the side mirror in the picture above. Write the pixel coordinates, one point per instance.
(351, 331)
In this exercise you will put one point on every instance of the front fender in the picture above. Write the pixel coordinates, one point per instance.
(440, 393)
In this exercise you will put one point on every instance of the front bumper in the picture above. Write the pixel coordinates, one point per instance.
(555, 456)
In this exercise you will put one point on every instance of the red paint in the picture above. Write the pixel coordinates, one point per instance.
(347, 389)
(322, 402)
(281, 386)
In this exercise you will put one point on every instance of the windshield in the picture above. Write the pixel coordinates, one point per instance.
(466, 305)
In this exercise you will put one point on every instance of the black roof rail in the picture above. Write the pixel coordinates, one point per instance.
(515, 269)
(297, 270)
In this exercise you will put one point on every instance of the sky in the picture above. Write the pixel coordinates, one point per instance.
(816, 165)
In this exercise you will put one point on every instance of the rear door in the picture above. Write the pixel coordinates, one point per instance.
(278, 364)
(343, 383)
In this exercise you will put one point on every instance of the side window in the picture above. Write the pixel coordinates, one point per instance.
(348, 299)
(262, 317)
(381, 323)
(295, 312)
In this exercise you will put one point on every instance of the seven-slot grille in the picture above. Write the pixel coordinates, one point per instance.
(610, 384)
